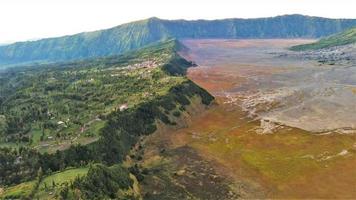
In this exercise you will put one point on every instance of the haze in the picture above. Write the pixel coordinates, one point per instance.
(29, 20)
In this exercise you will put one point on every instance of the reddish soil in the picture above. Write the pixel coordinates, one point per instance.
(276, 165)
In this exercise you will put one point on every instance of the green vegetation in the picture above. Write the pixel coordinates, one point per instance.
(44, 106)
(101, 182)
(74, 114)
(344, 38)
(61, 178)
(126, 37)
(45, 186)
(18, 191)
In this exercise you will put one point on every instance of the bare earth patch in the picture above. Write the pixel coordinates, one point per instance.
(283, 125)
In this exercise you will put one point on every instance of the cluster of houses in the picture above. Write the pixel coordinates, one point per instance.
(145, 64)
(148, 64)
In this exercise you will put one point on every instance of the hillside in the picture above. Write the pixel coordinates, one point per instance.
(43, 104)
(73, 114)
(126, 37)
(343, 38)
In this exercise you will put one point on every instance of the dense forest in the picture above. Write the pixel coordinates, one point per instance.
(137, 34)
(56, 118)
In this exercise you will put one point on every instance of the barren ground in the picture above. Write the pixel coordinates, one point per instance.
(293, 91)
(282, 126)
(253, 80)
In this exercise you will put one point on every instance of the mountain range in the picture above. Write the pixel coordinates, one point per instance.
(131, 36)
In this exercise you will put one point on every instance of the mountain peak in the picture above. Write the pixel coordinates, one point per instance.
(152, 19)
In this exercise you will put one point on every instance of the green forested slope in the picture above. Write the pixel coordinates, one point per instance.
(72, 114)
(344, 38)
(137, 34)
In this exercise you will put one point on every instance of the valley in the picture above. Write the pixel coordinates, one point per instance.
(266, 135)
(255, 108)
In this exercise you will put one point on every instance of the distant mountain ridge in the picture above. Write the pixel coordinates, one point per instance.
(130, 36)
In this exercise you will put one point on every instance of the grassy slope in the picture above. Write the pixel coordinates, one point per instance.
(23, 189)
(59, 178)
(62, 177)
(344, 38)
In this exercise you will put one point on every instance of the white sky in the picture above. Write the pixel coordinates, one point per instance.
(31, 19)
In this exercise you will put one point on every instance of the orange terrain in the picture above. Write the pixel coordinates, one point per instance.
(288, 163)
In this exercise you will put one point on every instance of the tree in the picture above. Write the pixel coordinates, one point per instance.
(40, 173)
(3, 126)
(64, 192)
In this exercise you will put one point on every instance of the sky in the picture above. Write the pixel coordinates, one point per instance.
(22, 20)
